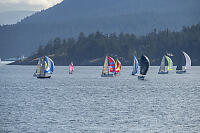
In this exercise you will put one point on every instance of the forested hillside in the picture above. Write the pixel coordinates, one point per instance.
(91, 49)
(71, 17)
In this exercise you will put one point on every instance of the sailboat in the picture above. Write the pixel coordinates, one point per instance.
(162, 65)
(45, 67)
(144, 66)
(108, 71)
(71, 68)
(135, 66)
(182, 69)
(118, 66)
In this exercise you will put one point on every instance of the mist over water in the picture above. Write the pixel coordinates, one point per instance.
(86, 102)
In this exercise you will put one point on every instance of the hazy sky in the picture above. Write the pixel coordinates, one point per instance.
(33, 5)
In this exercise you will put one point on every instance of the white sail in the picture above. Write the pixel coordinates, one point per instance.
(162, 65)
(105, 67)
(38, 66)
(188, 60)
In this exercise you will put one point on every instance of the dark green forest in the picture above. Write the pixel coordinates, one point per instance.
(92, 49)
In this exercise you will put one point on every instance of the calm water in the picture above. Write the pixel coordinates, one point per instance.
(85, 102)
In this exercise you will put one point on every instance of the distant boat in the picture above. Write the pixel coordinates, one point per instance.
(162, 65)
(135, 66)
(71, 68)
(118, 66)
(182, 69)
(144, 66)
(108, 71)
(45, 67)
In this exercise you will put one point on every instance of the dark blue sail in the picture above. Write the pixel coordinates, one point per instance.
(144, 65)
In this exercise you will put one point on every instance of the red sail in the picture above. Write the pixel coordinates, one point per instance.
(112, 64)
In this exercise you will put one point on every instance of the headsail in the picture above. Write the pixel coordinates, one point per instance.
(118, 66)
(170, 63)
(135, 65)
(144, 65)
(49, 65)
(188, 60)
(112, 64)
(71, 67)
(162, 65)
(105, 66)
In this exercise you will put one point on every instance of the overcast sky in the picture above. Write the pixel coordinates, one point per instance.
(33, 5)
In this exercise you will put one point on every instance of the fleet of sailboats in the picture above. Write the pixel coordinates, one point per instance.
(45, 66)
(162, 65)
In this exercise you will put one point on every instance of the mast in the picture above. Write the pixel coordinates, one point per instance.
(105, 66)
(162, 65)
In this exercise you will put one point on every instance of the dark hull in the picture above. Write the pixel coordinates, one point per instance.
(43, 77)
(180, 71)
(163, 72)
(141, 77)
(70, 72)
(107, 75)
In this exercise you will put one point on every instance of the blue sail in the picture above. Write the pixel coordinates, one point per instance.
(135, 66)
(49, 65)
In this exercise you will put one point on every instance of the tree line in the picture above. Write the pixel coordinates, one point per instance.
(91, 49)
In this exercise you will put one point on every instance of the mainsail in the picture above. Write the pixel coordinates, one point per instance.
(112, 64)
(188, 60)
(162, 65)
(135, 65)
(105, 67)
(39, 66)
(170, 63)
(118, 66)
(144, 65)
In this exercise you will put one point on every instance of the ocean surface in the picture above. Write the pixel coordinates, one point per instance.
(84, 102)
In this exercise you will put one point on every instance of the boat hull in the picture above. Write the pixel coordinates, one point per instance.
(141, 77)
(181, 71)
(70, 72)
(163, 72)
(43, 76)
(107, 75)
